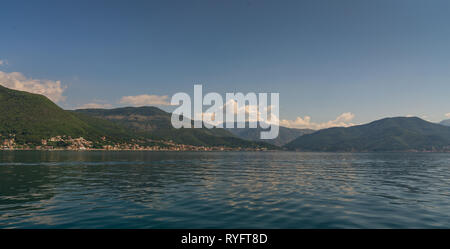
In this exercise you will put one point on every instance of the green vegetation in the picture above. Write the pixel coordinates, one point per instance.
(390, 134)
(31, 117)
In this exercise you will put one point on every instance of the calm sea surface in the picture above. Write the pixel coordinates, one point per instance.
(224, 190)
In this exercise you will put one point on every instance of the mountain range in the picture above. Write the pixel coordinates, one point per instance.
(389, 134)
(285, 134)
(31, 120)
(155, 123)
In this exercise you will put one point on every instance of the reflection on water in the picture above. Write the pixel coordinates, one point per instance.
(224, 190)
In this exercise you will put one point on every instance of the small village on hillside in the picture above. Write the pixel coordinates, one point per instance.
(81, 144)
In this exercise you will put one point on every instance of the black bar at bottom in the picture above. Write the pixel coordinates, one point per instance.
(228, 238)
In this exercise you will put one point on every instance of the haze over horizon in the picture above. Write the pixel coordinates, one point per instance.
(333, 63)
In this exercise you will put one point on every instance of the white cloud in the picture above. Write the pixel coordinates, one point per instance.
(250, 112)
(3, 62)
(49, 88)
(447, 115)
(145, 99)
(343, 120)
(94, 106)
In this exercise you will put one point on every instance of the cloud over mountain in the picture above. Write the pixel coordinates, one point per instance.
(145, 100)
(251, 113)
(49, 88)
(94, 106)
(343, 120)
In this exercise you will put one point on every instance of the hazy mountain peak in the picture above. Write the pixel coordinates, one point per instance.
(445, 122)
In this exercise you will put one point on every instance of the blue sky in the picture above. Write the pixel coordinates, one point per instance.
(372, 59)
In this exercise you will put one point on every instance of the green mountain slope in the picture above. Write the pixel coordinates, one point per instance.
(285, 135)
(390, 134)
(155, 123)
(32, 117)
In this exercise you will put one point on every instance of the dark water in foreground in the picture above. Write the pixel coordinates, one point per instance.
(224, 190)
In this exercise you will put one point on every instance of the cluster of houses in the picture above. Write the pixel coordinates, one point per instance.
(169, 146)
(69, 143)
(8, 144)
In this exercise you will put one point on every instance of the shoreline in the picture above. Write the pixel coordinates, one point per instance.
(236, 150)
(212, 150)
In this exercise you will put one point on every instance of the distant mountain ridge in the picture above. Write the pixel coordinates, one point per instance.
(445, 122)
(389, 134)
(285, 135)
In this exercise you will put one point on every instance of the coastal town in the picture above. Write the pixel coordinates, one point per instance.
(82, 144)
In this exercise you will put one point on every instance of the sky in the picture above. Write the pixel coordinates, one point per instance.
(334, 63)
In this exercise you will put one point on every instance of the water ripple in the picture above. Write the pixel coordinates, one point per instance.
(224, 190)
